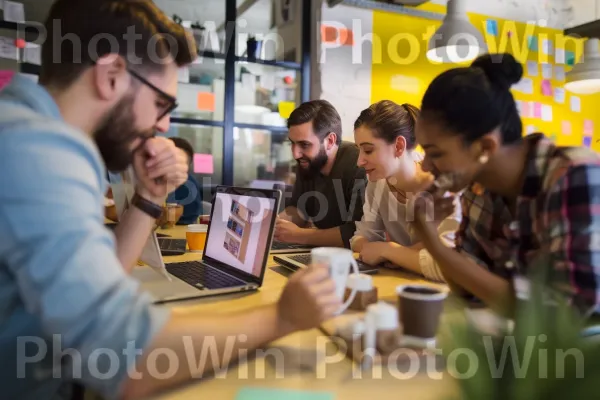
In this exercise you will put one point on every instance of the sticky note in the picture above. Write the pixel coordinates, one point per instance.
(537, 110)
(5, 77)
(547, 71)
(546, 87)
(8, 49)
(525, 109)
(333, 35)
(559, 56)
(329, 34)
(206, 101)
(14, 11)
(286, 108)
(575, 104)
(559, 95)
(559, 73)
(547, 46)
(203, 164)
(587, 141)
(530, 129)
(588, 127)
(547, 113)
(282, 394)
(525, 85)
(570, 58)
(532, 68)
(532, 42)
(519, 105)
(566, 128)
(32, 54)
(491, 27)
(346, 37)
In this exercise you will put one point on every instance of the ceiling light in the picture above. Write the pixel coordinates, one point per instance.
(456, 40)
(584, 78)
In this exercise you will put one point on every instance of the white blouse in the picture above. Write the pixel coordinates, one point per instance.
(383, 213)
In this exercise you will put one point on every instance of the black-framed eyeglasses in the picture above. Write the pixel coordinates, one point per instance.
(171, 101)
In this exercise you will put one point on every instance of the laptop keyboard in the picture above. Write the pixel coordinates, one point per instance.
(172, 244)
(201, 276)
(285, 246)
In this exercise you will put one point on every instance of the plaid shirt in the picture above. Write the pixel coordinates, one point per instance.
(557, 217)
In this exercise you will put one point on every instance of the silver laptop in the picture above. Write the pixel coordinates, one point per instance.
(236, 252)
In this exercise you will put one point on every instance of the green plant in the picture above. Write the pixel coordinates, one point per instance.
(545, 356)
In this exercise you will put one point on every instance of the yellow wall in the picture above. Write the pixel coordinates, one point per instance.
(401, 71)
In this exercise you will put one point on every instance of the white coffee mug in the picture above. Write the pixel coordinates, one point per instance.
(339, 261)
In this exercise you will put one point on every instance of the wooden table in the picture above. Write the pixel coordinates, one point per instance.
(308, 360)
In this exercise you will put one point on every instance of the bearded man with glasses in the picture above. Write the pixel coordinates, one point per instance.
(107, 85)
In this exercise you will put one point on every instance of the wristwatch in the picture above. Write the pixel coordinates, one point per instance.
(150, 208)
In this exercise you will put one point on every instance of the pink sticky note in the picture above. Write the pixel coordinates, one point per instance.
(566, 128)
(5, 77)
(546, 87)
(537, 110)
(203, 164)
(588, 127)
(527, 109)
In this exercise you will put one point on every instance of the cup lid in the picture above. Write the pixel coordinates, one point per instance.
(197, 228)
(384, 315)
(421, 292)
(360, 282)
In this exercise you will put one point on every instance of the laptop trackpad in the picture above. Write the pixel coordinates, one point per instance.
(159, 286)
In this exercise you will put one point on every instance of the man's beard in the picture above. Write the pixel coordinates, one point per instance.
(115, 135)
(314, 166)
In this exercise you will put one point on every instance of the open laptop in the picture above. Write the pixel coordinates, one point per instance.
(239, 235)
(294, 262)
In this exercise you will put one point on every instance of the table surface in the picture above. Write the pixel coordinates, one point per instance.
(310, 362)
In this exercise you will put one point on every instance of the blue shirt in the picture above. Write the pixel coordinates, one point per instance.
(190, 196)
(62, 287)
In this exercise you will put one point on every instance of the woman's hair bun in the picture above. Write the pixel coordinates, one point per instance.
(503, 69)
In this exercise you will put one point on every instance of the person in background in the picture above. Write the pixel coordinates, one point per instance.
(385, 134)
(66, 294)
(529, 206)
(189, 195)
(329, 189)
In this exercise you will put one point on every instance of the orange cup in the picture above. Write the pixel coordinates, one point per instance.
(196, 237)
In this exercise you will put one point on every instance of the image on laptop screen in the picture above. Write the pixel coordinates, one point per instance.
(239, 231)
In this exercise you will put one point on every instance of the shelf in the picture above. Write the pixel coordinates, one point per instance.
(193, 121)
(223, 56)
(29, 29)
(258, 127)
(272, 63)
(209, 54)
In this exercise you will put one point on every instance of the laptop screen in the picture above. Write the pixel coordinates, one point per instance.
(239, 231)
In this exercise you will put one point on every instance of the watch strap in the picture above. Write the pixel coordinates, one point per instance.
(148, 207)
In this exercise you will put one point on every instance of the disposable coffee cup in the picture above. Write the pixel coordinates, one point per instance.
(196, 237)
(420, 308)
